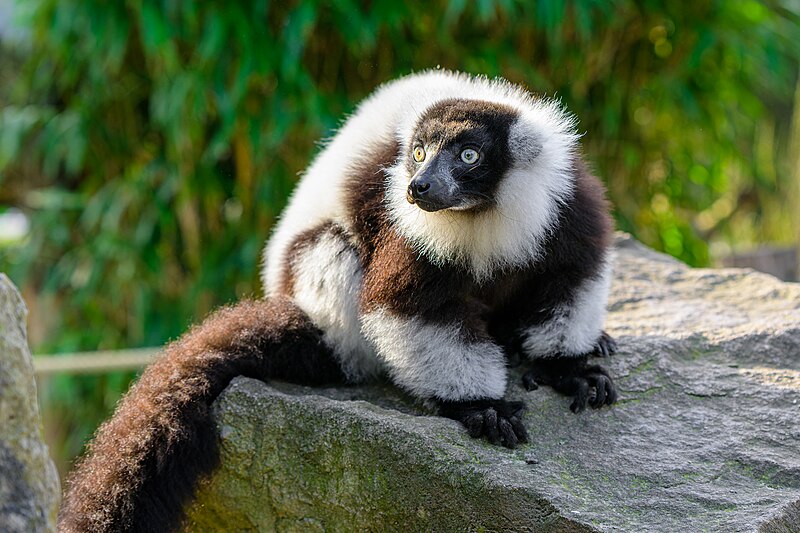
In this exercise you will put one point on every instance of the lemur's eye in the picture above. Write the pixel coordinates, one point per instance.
(470, 156)
(419, 154)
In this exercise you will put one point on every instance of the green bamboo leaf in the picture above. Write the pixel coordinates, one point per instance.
(295, 35)
(153, 26)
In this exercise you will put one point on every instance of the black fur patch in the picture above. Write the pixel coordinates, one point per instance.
(574, 252)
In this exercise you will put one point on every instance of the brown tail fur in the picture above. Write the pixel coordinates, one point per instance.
(144, 463)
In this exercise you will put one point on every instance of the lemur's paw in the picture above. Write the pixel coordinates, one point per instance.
(587, 384)
(605, 346)
(500, 421)
(590, 385)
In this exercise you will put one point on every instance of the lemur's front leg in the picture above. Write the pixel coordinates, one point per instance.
(450, 363)
(434, 344)
(561, 340)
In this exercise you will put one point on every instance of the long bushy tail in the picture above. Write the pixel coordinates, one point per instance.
(144, 463)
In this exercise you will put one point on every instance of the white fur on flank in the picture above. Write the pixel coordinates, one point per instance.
(575, 327)
(327, 280)
(506, 236)
(433, 361)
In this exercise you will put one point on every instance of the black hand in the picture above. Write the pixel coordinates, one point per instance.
(587, 384)
(500, 421)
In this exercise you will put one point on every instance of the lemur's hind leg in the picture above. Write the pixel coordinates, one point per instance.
(574, 376)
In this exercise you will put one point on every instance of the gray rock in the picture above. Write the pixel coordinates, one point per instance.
(706, 435)
(29, 487)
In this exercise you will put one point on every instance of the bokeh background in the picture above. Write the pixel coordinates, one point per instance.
(147, 146)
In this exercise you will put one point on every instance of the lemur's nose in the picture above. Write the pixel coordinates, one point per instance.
(418, 188)
(430, 193)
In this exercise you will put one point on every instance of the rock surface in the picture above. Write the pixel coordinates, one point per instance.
(29, 487)
(706, 435)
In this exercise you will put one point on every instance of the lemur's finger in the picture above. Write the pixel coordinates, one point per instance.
(611, 392)
(474, 424)
(581, 395)
(519, 429)
(507, 431)
(600, 387)
(490, 426)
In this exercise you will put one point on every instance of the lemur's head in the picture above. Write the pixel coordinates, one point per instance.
(480, 179)
(461, 150)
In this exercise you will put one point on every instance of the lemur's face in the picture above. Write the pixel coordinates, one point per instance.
(458, 155)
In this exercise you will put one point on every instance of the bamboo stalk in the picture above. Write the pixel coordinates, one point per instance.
(99, 362)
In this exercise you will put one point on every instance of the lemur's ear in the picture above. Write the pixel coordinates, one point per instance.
(524, 141)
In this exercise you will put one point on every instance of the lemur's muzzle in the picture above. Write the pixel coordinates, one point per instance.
(430, 189)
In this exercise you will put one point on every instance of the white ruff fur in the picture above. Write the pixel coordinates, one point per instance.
(499, 238)
(326, 287)
(575, 327)
(431, 360)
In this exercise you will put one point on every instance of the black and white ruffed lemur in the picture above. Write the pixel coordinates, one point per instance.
(450, 222)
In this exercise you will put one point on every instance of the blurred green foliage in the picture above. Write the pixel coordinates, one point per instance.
(153, 142)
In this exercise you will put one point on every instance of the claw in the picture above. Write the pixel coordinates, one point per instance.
(612, 344)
